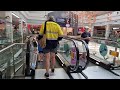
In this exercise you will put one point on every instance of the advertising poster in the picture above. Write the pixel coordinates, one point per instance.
(73, 56)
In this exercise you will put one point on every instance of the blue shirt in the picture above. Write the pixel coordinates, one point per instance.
(39, 48)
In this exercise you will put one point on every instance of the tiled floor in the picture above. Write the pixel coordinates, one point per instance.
(59, 74)
(96, 72)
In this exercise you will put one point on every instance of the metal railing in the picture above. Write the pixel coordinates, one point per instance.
(11, 60)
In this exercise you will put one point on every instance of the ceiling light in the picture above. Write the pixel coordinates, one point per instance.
(15, 15)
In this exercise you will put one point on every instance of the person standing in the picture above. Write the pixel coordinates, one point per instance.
(53, 34)
(86, 36)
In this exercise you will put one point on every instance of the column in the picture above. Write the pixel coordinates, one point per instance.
(92, 30)
(107, 31)
(20, 27)
(9, 31)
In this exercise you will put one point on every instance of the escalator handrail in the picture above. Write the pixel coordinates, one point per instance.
(86, 46)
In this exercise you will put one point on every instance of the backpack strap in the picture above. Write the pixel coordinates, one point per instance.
(45, 27)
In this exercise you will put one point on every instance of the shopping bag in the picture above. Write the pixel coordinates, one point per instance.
(42, 41)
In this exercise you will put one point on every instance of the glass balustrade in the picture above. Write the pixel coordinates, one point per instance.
(68, 50)
(11, 59)
(106, 51)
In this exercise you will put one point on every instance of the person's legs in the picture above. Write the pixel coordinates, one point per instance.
(40, 56)
(53, 60)
(47, 63)
(47, 58)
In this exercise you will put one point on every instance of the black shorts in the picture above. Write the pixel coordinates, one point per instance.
(50, 50)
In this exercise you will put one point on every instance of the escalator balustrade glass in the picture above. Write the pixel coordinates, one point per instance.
(98, 47)
(68, 51)
(83, 53)
(76, 53)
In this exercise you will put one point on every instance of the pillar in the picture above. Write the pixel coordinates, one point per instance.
(107, 31)
(9, 31)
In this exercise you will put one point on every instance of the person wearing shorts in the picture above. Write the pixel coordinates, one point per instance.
(54, 34)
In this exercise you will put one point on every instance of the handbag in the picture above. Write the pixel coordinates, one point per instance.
(42, 41)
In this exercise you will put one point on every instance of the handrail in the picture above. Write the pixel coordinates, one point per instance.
(105, 39)
(11, 46)
(11, 61)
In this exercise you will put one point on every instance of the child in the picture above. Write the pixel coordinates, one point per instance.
(40, 53)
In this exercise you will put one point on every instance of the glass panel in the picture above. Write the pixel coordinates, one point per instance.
(68, 51)
(5, 33)
(17, 37)
(104, 50)
(82, 53)
(11, 59)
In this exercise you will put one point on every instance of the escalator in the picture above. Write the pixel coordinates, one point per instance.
(68, 60)
(104, 64)
(72, 58)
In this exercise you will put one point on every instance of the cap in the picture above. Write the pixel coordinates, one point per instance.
(51, 18)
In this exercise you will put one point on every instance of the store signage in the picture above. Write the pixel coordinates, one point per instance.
(103, 50)
(67, 25)
(73, 56)
(114, 53)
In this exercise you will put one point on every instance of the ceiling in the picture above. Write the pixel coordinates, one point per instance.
(37, 15)
(40, 15)
(102, 12)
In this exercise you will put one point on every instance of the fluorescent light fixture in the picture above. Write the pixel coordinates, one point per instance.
(23, 20)
(115, 28)
(15, 15)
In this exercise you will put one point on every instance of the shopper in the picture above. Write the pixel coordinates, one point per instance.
(53, 35)
(86, 36)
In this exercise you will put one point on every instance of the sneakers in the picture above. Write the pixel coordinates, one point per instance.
(46, 75)
(52, 70)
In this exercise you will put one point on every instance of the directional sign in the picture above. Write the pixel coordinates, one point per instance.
(103, 50)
